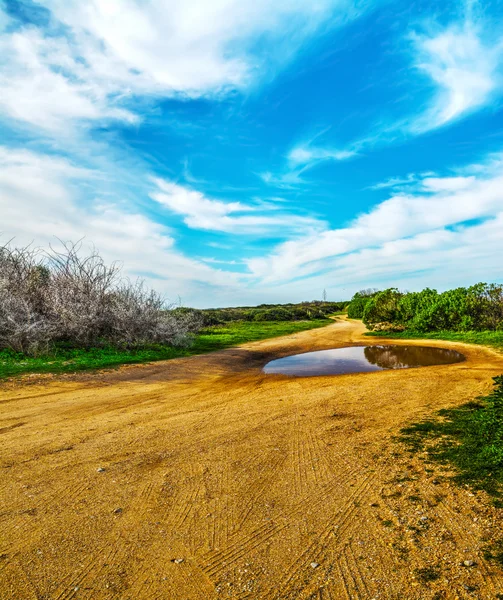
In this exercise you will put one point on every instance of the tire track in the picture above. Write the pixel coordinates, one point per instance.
(212, 562)
(299, 571)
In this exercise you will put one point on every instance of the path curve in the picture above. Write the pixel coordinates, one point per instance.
(221, 482)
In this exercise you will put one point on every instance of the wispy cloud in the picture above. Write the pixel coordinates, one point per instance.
(401, 182)
(463, 62)
(458, 66)
(200, 212)
(40, 199)
(305, 155)
(97, 59)
(425, 213)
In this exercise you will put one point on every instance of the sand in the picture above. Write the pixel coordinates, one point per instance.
(203, 478)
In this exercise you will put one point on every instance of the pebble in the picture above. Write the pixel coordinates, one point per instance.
(177, 561)
(468, 563)
(101, 470)
(117, 511)
(423, 518)
(315, 565)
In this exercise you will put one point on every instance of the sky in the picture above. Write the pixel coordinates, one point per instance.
(238, 153)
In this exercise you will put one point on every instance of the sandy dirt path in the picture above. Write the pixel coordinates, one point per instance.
(221, 482)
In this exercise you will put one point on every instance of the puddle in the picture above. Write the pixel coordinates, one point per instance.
(361, 359)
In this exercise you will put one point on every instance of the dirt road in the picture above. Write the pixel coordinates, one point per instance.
(202, 478)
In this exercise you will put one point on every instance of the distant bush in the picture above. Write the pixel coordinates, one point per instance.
(55, 297)
(274, 314)
(305, 311)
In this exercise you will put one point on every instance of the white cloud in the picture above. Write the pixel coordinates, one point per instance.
(39, 199)
(44, 84)
(200, 212)
(107, 54)
(436, 204)
(303, 155)
(464, 66)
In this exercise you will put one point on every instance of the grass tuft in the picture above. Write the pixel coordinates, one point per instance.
(468, 438)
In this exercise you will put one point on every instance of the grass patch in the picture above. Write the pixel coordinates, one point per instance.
(485, 338)
(68, 360)
(468, 438)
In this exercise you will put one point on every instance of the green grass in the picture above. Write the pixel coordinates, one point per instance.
(485, 338)
(469, 439)
(68, 360)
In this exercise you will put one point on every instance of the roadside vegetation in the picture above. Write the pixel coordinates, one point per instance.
(468, 438)
(63, 298)
(63, 359)
(478, 308)
(64, 311)
(303, 311)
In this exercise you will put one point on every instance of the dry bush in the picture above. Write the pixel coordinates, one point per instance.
(65, 296)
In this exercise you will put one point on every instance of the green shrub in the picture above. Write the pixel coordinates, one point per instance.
(384, 306)
(358, 303)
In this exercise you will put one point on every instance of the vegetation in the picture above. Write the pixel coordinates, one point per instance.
(64, 359)
(469, 438)
(308, 311)
(486, 338)
(476, 308)
(62, 297)
(358, 303)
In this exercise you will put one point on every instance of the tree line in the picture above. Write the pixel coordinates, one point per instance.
(475, 308)
(303, 311)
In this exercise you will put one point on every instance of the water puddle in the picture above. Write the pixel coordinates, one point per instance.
(361, 359)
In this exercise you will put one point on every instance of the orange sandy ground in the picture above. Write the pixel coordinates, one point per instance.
(266, 486)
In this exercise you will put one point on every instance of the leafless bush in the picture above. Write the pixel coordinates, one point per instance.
(64, 296)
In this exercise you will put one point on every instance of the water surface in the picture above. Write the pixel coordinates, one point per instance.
(361, 359)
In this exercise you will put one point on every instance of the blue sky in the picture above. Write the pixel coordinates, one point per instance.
(239, 153)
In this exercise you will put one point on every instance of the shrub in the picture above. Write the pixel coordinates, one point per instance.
(64, 297)
(358, 303)
(477, 308)
(383, 307)
(274, 314)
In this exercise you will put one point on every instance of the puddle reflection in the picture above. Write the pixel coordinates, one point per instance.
(361, 359)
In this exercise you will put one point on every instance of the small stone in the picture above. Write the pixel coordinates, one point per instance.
(315, 565)
(468, 563)
(76, 588)
(423, 519)
(177, 561)
(117, 511)
(100, 469)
